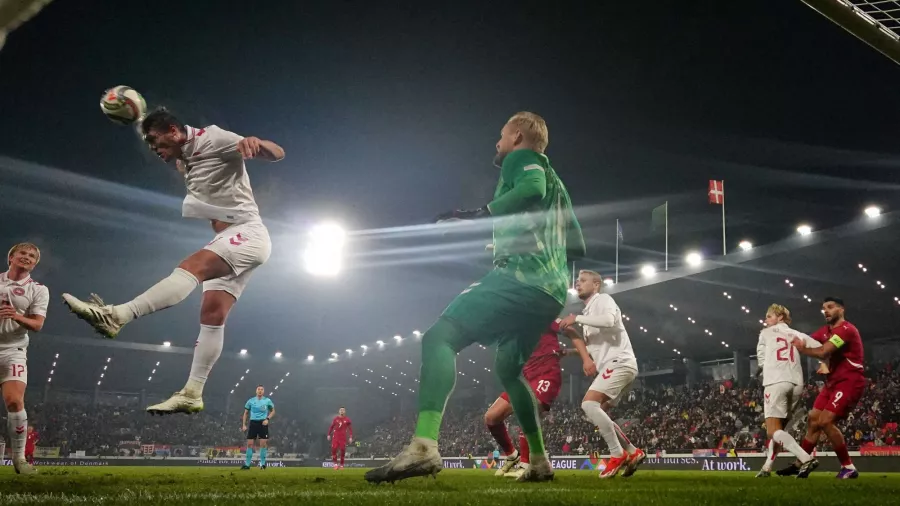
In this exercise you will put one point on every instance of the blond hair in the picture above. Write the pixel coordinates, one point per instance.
(533, 128)
(23, 245)
(779, 310)
(595, 276)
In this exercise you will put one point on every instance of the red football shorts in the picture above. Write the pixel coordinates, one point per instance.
(545, 388)
(335, 444)
(840, 398)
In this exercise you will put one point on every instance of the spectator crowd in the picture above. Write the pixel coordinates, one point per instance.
(712, 415)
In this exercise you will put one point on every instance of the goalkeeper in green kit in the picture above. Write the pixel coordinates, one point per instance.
(535, 231)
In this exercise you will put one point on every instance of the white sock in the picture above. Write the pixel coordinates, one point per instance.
(770, 456)
(789, 444)
(207, 351)
(166, 293)
(17, 426)
(623, 441)
(595, 413)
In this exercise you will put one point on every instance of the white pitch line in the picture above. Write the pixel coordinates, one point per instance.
(143, 495)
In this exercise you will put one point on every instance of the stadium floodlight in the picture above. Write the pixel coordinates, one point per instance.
(694, 259)
(349, 351)
(310, 358)
(648, 271)
(167, 344)
(277, 354)
(379, 342)
(364, 347)
(609, 282)
(334, 355)
(417, 333)
(324, 252)
(243, 352)
(232, 391)
(398, 338)
(745, 245)
(804, 230)
(873, 211)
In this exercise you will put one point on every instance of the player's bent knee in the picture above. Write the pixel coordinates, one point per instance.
(215, 307)
(595, 396)
(206, 265)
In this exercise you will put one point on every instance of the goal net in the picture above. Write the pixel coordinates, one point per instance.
(875, 22)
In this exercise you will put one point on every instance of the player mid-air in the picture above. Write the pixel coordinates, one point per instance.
(544, 374)
(782, 378)
(606, 353)
(510, 307)
(218, 189)
(340, 433)
(23, 309)
(260, 409)
(845, 384)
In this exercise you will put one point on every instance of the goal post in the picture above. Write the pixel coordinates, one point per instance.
(875, 22)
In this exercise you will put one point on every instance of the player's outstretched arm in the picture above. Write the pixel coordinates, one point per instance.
(529, 186)
(254, 147)
(821, 353)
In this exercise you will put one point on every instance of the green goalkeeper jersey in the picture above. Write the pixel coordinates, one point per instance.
(535, 229)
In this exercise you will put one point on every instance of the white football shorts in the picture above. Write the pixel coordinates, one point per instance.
(614, 380)
(244, 247)
(781, 399)
(13, 366)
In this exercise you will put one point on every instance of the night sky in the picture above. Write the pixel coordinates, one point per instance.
(389, 115)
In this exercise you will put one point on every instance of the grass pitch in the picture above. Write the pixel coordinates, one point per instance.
(311, 486)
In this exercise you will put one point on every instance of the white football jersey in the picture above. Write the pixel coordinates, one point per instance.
(29, 298)
(779, 360)
(218, 187)
(606, 344)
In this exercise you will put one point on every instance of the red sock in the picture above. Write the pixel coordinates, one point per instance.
(523, 448)
(343, 451)
(808, 446)
(843, 455)
(623, 437)
(501, 435)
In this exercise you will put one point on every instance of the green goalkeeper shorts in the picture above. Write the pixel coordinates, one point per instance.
(500, 310)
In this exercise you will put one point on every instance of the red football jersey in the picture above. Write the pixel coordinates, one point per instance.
(847, 361)
(545, 358)
(31, 439)
(340, 428)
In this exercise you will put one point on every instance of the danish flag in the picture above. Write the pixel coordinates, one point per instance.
(716, 192)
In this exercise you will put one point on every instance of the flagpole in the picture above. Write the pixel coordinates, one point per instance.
(573, 274)
(617, 251)
(667, 235)
(724, 247)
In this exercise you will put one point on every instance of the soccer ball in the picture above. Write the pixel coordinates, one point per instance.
(123, 105)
